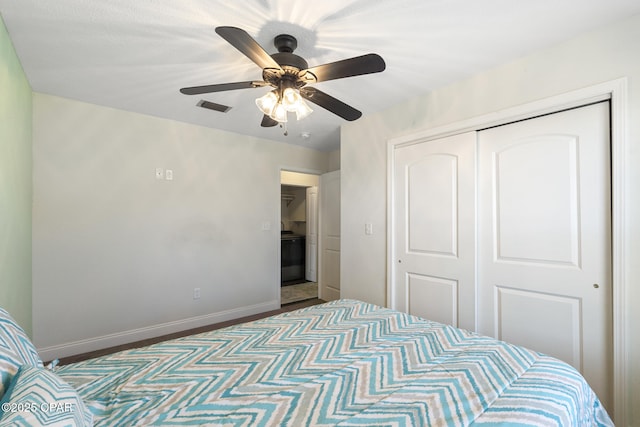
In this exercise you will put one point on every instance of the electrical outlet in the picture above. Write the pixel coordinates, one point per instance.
(196, 293)
(168, 174)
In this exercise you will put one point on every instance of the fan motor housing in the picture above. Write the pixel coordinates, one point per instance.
(285, 59)
(286, 44)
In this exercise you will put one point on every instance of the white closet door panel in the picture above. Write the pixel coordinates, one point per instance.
(433, 298)
(548, 204)
(432, 181)
(434, 235)
(519, 322)
(544, 248)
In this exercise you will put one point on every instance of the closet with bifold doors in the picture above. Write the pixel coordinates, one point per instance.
(507, 231)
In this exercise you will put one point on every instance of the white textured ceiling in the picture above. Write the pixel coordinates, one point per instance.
(136, 54)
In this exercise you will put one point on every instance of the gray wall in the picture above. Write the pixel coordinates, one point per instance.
(604, 55)
(15, 185)
(117, 252)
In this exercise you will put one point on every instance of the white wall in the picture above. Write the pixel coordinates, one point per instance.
(603, 55)
(15, 185)
(334, 160)
(117, 253)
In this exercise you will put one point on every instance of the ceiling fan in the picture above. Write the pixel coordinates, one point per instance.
(289, 75)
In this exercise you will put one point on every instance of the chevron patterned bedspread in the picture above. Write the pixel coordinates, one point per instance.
(343, 363)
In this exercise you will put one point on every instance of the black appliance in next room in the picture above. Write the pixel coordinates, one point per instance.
(292, 249)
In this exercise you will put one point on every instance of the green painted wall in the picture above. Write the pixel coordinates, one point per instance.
(15, 185)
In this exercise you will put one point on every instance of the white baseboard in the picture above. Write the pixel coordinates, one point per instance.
(133, 335)
(327, 293)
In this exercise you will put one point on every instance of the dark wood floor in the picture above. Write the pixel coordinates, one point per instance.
(143, 343)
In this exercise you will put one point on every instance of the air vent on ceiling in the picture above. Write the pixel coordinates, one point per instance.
(213, 106)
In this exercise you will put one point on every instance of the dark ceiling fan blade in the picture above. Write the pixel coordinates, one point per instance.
(246, 44)
(330, 103)
(197, 90)
(268, 122)
(365, 64)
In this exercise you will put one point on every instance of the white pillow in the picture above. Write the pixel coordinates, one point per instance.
(15, 350)
(38, 397)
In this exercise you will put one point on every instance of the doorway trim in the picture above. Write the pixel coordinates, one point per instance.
(616, 91)
(284, 168)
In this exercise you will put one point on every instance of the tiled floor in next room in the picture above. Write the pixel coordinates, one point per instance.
(298, 292)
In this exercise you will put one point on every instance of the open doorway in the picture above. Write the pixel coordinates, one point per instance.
(298, 237)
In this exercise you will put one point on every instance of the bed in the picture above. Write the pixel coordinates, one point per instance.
(344, 363)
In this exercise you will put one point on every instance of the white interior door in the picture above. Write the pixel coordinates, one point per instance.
(544, 267)
(434, 237)
(311, 259)
(329, 277)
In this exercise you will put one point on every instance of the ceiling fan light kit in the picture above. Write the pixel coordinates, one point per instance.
(289, 75)
(277, 103)
(267, 103)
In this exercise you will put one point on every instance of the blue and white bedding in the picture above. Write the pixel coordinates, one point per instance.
(342, 363)
(31, 395)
